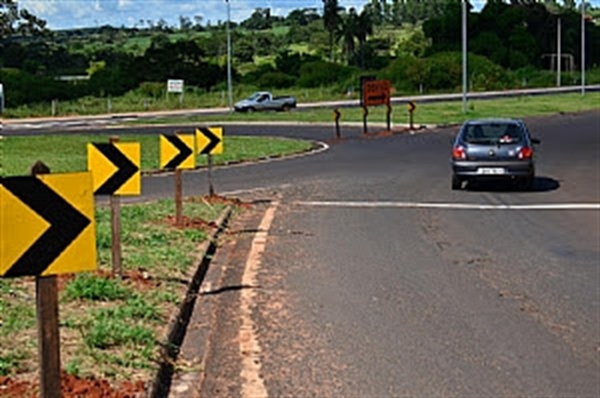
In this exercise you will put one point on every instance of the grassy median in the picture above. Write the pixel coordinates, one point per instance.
(68, 153)
(425, 113)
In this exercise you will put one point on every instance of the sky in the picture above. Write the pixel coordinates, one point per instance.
(68, 14)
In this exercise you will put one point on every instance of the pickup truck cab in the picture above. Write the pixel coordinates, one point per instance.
(265, 101)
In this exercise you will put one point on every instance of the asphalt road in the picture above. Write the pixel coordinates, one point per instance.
(377, 280)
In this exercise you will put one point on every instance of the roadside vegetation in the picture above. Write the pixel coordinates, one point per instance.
(111, 328)
(20, 152)
(414, 44)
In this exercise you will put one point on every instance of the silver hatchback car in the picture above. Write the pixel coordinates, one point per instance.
(493, 149)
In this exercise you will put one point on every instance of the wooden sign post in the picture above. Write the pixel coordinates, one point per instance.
(177, 153)
(115, 226)
(178, 198)
(209, 141)
(46, 296)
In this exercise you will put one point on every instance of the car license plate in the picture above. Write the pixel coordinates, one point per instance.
(490, 170)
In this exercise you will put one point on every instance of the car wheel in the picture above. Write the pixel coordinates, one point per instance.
(285, 108)
(250, 110)
(456, 183)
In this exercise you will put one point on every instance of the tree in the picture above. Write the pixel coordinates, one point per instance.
(332, 21)
(363, 31)
(302, 16)
(259, 20)
(348, 31)
(18, 21)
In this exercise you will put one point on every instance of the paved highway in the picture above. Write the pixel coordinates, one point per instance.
(359, 273)
(377, 280)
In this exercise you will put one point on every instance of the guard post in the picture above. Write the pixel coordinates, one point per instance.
(336, 118)
(411, 109)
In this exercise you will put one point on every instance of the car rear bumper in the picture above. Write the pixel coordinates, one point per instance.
(507, 169)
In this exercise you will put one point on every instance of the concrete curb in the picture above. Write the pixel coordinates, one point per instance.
(161, 382)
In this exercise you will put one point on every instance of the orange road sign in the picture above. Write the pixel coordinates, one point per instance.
(376, 92)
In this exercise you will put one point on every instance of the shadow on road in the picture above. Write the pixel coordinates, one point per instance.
(541, 184)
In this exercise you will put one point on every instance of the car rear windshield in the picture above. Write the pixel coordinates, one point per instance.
(492, 133)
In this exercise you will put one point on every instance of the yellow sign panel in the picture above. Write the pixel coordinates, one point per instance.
(177, 151)
(47, 225)
(115, 168)
(209, 140)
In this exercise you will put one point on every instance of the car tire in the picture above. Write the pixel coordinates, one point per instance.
(250, 110)
(456, 183)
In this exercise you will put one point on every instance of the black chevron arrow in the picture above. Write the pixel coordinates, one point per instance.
(379, 98)
(214, 141)
(184, 151)
(126, 169)
(66, 223)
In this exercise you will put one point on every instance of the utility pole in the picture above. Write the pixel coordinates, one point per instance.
(558, 51)
(464, 55)
(583, 47)
(229, 90)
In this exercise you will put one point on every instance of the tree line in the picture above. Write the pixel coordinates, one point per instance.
(338, 45)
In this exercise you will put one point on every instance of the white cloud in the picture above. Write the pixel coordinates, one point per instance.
(36, 7)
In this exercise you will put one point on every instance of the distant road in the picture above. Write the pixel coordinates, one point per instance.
(75, 122)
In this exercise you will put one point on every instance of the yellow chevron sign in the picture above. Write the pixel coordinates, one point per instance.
(177, 151)
(209, 140)
(115, 168)
(47, 225)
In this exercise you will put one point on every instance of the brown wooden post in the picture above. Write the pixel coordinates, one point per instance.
(46, 294)
(115, 221)
(337, 115)
(178, 198)
(411, 111)
(365, 115)
(211, 189)
(389, 117)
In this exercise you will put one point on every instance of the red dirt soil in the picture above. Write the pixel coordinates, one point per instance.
(73, 387)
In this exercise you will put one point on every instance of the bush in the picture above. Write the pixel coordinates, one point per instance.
(321, 73)
(152, 90)
(276, 80)
(23, 88)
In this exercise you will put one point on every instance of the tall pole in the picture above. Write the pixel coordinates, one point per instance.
(464, 54)
(582, 47)
(229, 92)
(558, 51)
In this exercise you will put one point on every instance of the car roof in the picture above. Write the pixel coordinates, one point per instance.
(494, 120)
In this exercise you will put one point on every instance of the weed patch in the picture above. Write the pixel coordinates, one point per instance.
(112, 328)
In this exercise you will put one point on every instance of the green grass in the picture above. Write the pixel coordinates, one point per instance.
(112, 327)
(88, 286)
(425, 113)
(68, 153)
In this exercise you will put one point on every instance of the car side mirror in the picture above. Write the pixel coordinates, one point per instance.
(536, 141)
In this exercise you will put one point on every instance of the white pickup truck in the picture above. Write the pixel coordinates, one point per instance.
(265, 101)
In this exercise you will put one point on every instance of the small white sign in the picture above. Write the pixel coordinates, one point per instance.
(174, 86)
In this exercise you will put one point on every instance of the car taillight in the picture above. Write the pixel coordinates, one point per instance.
(459, 153)
(526, 153)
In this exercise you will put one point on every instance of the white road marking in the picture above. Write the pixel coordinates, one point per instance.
(322, 147)
(455, 206)
(252, 383)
